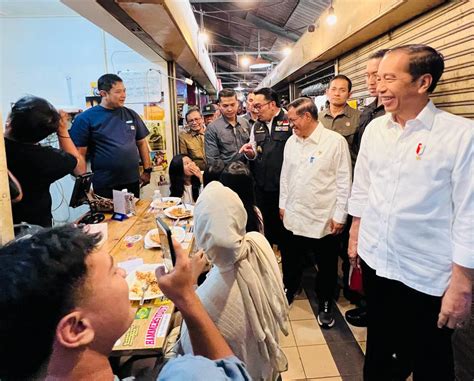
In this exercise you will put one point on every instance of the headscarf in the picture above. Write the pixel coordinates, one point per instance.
(219, 226)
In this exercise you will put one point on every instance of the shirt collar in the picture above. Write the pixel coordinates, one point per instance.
(327, 112)
(270, 123)
(315, 135)
(425, 117)
(228, 125)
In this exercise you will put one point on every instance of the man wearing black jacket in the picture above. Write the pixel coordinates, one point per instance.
(265, 152)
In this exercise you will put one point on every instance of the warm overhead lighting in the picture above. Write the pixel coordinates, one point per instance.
(331, 19)
(245, 61)
(204, 36)
(286, 51)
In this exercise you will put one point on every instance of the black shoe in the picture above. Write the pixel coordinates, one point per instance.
(325, 316)
(357, 317)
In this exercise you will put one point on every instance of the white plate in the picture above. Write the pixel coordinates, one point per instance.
(132, 281)
(149, 243)
(161, 203)
(168, 211)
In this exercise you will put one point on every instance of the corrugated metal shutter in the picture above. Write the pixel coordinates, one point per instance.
(449, 29)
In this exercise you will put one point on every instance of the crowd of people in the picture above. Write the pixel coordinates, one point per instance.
(388, 190)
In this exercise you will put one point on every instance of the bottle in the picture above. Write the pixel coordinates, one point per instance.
(157, 195)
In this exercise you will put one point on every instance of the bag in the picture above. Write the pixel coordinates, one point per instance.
(355, 280)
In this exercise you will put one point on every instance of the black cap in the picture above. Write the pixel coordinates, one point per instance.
(209, 109)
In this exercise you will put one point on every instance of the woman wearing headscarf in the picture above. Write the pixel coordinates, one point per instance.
(243, 292)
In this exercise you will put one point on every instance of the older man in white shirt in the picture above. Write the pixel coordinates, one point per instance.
(413, 208)
(314, 188)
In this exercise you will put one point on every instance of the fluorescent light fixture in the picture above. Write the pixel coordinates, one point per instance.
(260, 63)
(238, 87)
(188, 81)
(331, 19)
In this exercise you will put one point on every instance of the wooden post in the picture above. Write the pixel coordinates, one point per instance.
(6, 218)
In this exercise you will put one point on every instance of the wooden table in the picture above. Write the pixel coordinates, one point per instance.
(117, 246)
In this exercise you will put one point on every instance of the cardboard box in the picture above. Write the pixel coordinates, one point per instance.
(149, 329)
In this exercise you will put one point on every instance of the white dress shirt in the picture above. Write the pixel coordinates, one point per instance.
(315, 182)
(413, 189)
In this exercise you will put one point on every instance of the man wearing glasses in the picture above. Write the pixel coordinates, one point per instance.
(265, 151)
(228, 133)
(191, 142)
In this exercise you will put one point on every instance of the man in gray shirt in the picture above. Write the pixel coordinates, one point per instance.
(229, 132)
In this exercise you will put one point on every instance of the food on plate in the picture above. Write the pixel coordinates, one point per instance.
(168, 204)
(155, 238)
(180, 212)
(142, 278)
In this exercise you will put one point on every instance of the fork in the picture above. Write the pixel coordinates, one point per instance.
(144, 290)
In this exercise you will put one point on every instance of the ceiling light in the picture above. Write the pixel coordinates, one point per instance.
(331, 19)
(239, 87)
(204, 36)
(188, 81)
(245, 61)
(286, 51)
(259, 63)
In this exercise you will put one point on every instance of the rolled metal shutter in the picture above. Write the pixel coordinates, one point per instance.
(449, 29)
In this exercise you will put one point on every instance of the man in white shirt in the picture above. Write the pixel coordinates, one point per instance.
(413, 208)
(314, 188)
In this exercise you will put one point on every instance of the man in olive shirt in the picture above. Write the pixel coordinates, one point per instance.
(339, 116)
(342, 118)
(191, 142)
(227, 134)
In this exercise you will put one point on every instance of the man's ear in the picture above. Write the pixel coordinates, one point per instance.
(74, 331)
(102, 93)
(424, 83)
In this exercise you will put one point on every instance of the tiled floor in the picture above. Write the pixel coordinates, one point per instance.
(309, 355)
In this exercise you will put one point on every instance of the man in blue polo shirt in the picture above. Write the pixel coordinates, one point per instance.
(114, 138)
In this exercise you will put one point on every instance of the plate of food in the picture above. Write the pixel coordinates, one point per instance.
(179, 211)
(139, 278)
(152, 239)
(165, 202)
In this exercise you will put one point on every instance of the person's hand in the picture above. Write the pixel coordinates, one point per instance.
(178, 284)
(63, 123)
(353, 242)
(145, 179)
(336, 228)
(247, 150)
(196, 171)
(282, 213)
(456, 301)
(198, 264)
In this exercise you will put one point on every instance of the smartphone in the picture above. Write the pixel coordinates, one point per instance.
(167, 248)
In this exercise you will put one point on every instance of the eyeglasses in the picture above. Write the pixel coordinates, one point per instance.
(195, 120)
(258, 106)
(292, 121)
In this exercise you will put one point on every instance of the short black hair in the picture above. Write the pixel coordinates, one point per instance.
(305, 104)
(41, 279)
(237, 176)
(213, 172)
(32, 119)
(226, 93)
(345, 78)
(423, 60)
(269, 94)
(378, 54)
(192, 109)
(107, 81)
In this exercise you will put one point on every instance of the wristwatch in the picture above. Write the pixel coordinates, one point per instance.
(148, 170)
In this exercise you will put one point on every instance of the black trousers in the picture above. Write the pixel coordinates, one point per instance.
(267, 202)
(131, 187)
(302, 250)
(402, 321)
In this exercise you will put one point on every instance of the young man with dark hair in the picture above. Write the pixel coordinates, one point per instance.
(191, 142)
(412, 204)
(114, 137)
(265, 151)
(229, 132)
(36, 167)
(314, 188)
(251, 115)
(65, 300)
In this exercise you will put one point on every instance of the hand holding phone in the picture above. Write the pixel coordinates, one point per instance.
(167, 247)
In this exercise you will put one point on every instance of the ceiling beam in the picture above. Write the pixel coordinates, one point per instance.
(263, 52)
(240, 72)
(275, 29)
